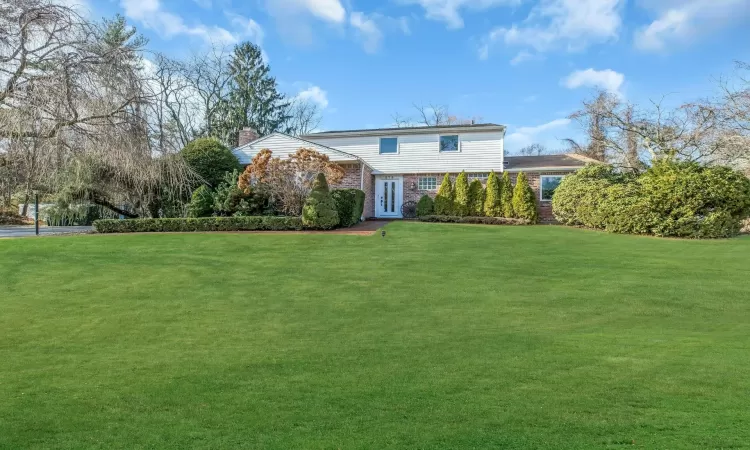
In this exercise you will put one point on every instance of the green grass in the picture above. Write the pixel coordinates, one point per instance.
(438, 336)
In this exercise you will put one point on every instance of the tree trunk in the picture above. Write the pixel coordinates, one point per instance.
(97, 200)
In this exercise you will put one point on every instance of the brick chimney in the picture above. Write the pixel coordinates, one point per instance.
(246, 135)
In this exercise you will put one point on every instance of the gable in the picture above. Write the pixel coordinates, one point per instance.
(282, 146)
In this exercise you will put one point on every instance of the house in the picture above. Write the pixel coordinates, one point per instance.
(397, 165)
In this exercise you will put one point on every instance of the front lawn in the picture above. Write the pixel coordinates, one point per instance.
(437, 336)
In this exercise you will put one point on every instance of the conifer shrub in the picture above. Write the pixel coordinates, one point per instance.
(461, 195)
(425, 206)
(506, 196)
(492, 206)
(524, 200)
(444, 198)
(476, 199)
(320, 211)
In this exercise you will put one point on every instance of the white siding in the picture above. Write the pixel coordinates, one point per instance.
(282, 146)
(420, 153)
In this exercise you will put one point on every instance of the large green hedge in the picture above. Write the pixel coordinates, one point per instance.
(476, 220)
(254, 223)
(210, 159)
(680, 199)
(350, 204)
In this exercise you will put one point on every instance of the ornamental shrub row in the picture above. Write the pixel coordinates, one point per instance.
(251, 223)
(677, 199)
(499, 199)
(474, 219)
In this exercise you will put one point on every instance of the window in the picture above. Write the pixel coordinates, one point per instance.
(388, 145)
(549, 184)
(449, 143)
(427, 183)
(478, 176)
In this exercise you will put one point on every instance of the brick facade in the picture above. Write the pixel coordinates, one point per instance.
(355, 179)
(413, 193)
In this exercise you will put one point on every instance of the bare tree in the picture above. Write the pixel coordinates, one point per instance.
(305, 116)
(534, 150)
(432, 115)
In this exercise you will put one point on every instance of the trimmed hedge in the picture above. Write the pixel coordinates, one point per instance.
(676, 199)
(474, 219)
(425, 206)
(350, 204)
(252, 223)
(320, 211)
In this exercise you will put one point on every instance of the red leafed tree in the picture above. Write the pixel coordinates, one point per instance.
(288, 182)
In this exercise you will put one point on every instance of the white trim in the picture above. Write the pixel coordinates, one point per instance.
(380, 145)
(544, 169)
(541, 184)
(458, 136)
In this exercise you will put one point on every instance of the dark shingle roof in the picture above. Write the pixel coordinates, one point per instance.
(546, 161)
(411, 130)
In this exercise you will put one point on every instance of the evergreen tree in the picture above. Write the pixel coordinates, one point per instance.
(476, 199)
(253, 99)
(461, 195)
(444, 198)
(524, 200)
(492, 202)
(506, 196)
(320, 208)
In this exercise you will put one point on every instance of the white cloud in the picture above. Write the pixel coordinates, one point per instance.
(524, 136)
(367, 30)
(608, 80)
(168, 25)
(449, 11)
(314, 94)
(522, 57)
(326, 10)
(572, 25)
(683, 21)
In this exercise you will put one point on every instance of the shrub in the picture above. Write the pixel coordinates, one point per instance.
(473, 219)
(320, 209)
(253, 223)
(476, 199)
(425, 206)
(461, 195)
(444, 198)
(201, 202)
(492, 206)
(349, 205)
(506, 196)
(230, 200)
(524, 200)
(679, 199)
(210, 159)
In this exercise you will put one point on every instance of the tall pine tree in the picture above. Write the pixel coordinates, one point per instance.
(253, 99)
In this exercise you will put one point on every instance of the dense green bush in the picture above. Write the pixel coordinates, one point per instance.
(677, 199)
(254, 223)
(444, 198)
(461, 195)
(524, 200)
(350, 204)
(476, 199)
(319, 211)
(478, 220)
(425, 206)
(231, 200)
(506, 196)
(210, 159)
(492, 202)
(201, 202)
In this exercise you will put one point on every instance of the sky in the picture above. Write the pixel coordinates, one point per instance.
(526, 64)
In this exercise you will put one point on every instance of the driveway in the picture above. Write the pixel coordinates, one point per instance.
(28, 231)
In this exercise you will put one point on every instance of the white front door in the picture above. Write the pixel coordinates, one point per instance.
(389, 195)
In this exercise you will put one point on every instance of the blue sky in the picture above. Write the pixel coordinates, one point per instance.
(526, 64)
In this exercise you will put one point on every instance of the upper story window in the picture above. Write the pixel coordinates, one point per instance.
(449, 143)
(549, 184)
(388, 145)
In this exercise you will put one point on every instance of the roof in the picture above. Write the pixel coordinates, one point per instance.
(548, 162)
(409, 130)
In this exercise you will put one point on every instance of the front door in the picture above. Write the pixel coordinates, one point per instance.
(388, 196)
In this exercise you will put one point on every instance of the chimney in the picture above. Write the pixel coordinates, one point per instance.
(246, 135)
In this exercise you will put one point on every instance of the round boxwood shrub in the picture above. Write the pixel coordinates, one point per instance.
(210, 159)
(320, 208)
(201, 203)
(425, 206)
